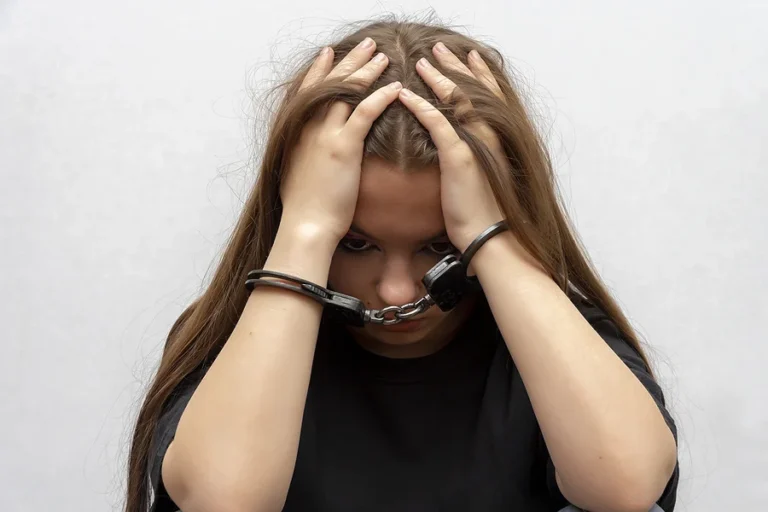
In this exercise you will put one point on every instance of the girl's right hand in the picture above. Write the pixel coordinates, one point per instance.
(320, 188)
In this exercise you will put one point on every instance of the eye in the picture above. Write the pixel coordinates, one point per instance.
(359, 245)
(354, 245)
(442, 248)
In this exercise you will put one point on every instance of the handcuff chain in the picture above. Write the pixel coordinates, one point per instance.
(377, 315)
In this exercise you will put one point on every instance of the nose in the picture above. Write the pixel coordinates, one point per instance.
(399, 284)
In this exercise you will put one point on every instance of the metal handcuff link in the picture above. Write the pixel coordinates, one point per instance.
(446, 283)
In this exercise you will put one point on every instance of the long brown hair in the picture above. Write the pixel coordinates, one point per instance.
(528, 196)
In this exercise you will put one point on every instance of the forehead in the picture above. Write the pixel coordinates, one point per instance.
(393, 203)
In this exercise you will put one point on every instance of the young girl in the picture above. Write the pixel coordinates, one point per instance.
(393, 148)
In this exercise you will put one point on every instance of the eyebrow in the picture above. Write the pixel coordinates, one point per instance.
(358, 231)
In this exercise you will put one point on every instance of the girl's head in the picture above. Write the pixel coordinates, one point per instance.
(398, 231)
(398, 212)
(397, 235)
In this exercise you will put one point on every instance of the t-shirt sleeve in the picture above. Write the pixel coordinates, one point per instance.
(163, 435)
(610, 332)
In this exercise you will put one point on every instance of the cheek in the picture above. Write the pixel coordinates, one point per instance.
(349, 274)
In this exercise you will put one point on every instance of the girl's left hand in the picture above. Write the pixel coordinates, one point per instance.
(469, 206)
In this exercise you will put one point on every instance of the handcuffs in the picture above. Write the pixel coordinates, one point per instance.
(446, 283)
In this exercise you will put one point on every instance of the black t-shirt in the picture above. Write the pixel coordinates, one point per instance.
(452, 431)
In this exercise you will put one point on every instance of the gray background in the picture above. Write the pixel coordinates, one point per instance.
(124, 139)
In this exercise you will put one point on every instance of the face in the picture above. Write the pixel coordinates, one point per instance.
(397, 235)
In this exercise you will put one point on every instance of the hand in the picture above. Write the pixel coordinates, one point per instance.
(468, 203)
(320, 188)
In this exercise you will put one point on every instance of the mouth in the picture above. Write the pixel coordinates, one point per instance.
(409, 325)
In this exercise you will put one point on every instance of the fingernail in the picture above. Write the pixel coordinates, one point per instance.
(441, 48)
(378, 59)
(326, 51)
(406, 93)
(367, 43)
(424, 63)
(474, 55)
(396, 86)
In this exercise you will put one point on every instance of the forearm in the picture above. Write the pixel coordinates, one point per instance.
(607, 438)
(237, 440)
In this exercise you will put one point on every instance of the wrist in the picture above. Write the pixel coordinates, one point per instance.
(468, 234)
(302, 251)
(504, 250)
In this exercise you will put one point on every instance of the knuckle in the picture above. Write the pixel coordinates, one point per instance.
(365, 108)
(433, 115)
(344, 69)
(316, 137)
(488, 135)
(337, 150)
(461, 153)
(458, 147)
(358, 81)
(467, 160)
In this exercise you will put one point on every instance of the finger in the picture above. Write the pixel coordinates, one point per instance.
(443, 86)
(362, 79)
(447, 59)
(338, 112)
(367, 111)
(483, 72)
(319, 69)
(355, 59)
(441, 131)
(368, 74)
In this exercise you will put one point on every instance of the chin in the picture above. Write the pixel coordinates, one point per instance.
(397, 334)
(399, 338)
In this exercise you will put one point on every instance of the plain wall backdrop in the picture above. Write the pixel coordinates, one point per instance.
(125, 133)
